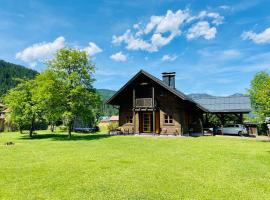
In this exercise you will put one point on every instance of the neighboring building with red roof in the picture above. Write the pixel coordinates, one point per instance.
(114, 118)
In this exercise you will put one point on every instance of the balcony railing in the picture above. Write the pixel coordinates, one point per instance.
(144, 103)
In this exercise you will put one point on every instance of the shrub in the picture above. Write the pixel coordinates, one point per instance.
(63, 128)
(96, 129)
(262, 128)
(112, 126)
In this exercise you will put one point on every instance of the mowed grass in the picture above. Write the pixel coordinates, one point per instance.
(127, 167)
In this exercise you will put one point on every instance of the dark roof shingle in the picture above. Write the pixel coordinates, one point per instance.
(225, 104)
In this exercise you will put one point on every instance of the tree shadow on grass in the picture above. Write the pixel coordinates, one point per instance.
(63, 137)
(265, 140)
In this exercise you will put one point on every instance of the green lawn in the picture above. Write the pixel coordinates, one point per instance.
(126, 167)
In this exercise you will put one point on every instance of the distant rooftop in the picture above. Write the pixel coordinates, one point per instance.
(114, 118)
(229, 104)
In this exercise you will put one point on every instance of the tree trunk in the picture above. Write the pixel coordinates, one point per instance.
(70, 129)
(32, 127)
(20, 128)
(52, 127)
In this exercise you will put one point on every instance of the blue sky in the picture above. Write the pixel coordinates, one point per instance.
(214, 47)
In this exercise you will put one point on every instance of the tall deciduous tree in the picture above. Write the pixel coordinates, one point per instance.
(260, 94)
(75, 71)
(49, 95)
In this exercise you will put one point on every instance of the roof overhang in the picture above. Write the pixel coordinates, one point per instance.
(177, 93)
(226, 105)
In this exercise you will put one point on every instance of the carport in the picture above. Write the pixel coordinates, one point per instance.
(224, 108)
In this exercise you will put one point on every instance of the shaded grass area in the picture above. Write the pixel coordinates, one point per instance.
(95, 166)
(64, 137)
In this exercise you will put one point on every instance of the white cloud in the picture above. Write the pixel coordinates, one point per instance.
(92, 49)
(123, 38)
(120, 57)
(258, 38)
(158, 25)
(139, 29)
(215, 17)
(136, 26)
(154, 21)
(225, 7)
(41, 51)
(137, 43)
(232, 53)
(169, 57)
(158, 40)
(201, 29)
(160, 30)
(168, 23)
(133, 42)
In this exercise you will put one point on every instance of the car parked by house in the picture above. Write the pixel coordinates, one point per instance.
(233, 129)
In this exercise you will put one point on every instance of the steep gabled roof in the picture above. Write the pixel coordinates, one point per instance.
(159, 82)
(231, 104)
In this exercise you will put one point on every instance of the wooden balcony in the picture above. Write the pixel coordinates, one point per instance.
(144, 103)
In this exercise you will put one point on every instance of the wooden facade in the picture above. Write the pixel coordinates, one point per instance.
(149, 105)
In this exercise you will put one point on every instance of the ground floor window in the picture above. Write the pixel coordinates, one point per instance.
(168, 119)
(129, 119)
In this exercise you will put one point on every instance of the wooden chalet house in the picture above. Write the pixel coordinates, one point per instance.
(150, 105)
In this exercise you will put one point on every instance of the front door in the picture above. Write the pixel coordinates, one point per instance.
(147, 122)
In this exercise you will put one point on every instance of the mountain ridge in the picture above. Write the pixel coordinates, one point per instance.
(108, 93)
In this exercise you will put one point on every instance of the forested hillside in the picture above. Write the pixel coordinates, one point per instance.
(107, 110)
(9, 72)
